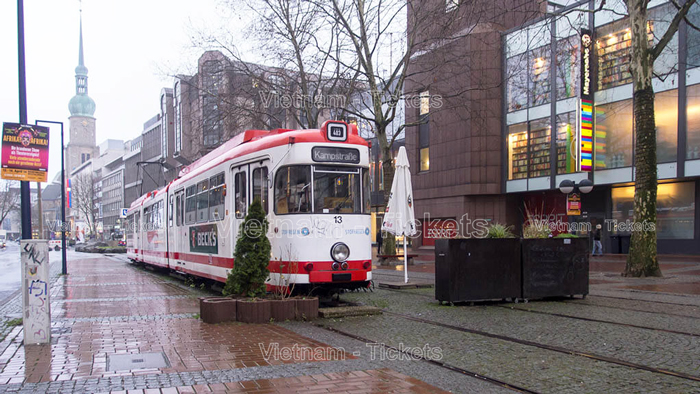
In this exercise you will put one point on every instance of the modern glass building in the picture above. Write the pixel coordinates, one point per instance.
(560, 124)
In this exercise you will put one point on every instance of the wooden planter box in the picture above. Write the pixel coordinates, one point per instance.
(306, 308)
(281, 310)
(253, 311)
(214, 310)
(554, 267)
(477, 269)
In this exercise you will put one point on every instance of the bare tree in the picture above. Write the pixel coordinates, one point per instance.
(9, 198)
(642, 259)
(83, 192)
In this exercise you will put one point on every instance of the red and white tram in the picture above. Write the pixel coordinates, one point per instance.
(314, 186)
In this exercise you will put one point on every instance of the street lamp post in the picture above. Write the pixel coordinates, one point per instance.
(64, 268)
(567, 186)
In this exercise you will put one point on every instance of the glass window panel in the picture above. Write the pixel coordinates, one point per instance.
(516, 43)
(424, 102)
(517, 151)
(613, 135)
(540, 140)
(693, 113)
(202, 201)
(337, 190)
(666, 116)
(567, 143)
(659, 19)
(425, 159)
(693, 40)
(240, 194)
(568, 70)
(260, 186)
(366, 190)
(675, 210)
(539, 75)
(191, 205)
(216, 197)
(293, 190)
(517, 82)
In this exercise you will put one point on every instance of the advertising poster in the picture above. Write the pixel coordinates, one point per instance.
(25, 152)
(573, 204)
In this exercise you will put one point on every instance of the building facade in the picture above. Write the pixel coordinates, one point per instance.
(564, 111)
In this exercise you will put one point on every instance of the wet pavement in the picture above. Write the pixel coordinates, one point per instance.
(110, 320)
(109, 317)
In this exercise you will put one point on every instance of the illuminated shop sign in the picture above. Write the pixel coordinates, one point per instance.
(586, 121)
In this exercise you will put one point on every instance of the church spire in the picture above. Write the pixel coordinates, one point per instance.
(81, 104)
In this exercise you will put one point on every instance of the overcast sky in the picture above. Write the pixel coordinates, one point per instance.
(130, 47)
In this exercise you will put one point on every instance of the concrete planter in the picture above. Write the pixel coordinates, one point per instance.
(554, 267)
(253, 311)
(306, 308)
(281, 310)
(214, 310)
(477, 269)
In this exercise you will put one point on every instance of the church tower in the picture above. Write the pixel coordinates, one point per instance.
(82, 145)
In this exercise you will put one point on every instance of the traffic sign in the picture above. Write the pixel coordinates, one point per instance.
(123, 214)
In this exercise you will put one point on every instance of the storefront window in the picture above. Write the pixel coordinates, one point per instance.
(539, 75)
(517, 82)
(693, 113)
(675, 210)
(540, 140)
(666, 115)
(613, 135)
(517, 151)
(614, 45)
(567, 143)
(567, 67)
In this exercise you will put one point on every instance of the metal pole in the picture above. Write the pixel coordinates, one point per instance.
(405, 259)
(64, 268)
(25, 192)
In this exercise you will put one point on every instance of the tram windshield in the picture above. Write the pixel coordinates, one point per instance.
(334, 190)
(337, 190)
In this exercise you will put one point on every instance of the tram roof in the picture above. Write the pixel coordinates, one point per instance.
(251, 141)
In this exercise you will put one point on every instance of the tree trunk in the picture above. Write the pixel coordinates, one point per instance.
(389, 244)
(642, 260)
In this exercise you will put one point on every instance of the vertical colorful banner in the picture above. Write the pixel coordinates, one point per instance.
(586, 123)
(586, 135)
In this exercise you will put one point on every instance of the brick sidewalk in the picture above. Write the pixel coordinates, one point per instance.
(106, 307)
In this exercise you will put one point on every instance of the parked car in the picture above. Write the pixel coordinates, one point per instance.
(55, 244)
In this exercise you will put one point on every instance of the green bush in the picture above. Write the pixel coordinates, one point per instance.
(566, 235)
(251, 256)
(498, 230)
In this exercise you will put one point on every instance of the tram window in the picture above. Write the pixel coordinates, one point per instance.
(216, 197)
(260, 186)
(366, 192)
(293, 190)
(337, 190)
(170, 211)
(178, 209)
(147, 219)
(191, 205)
(240, 194)
(203, 201)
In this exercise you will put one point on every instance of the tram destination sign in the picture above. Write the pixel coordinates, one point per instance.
(328, 154)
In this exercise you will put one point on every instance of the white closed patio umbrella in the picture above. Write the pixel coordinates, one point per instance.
(399, 218)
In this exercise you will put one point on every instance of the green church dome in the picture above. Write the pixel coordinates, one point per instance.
(81, 105)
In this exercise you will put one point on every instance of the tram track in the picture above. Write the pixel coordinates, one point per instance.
(548, 347)
(525, 309)
(440, 364)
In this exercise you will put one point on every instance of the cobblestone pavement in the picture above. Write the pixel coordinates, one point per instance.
(614, 340)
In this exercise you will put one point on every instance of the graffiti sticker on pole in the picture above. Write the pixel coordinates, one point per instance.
(25, 152)
(36, 301)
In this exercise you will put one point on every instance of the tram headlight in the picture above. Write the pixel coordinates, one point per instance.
(340, 252)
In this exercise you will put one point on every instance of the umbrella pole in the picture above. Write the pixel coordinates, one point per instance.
(405, 260)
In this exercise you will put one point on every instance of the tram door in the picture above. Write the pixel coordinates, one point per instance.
(240, 201)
